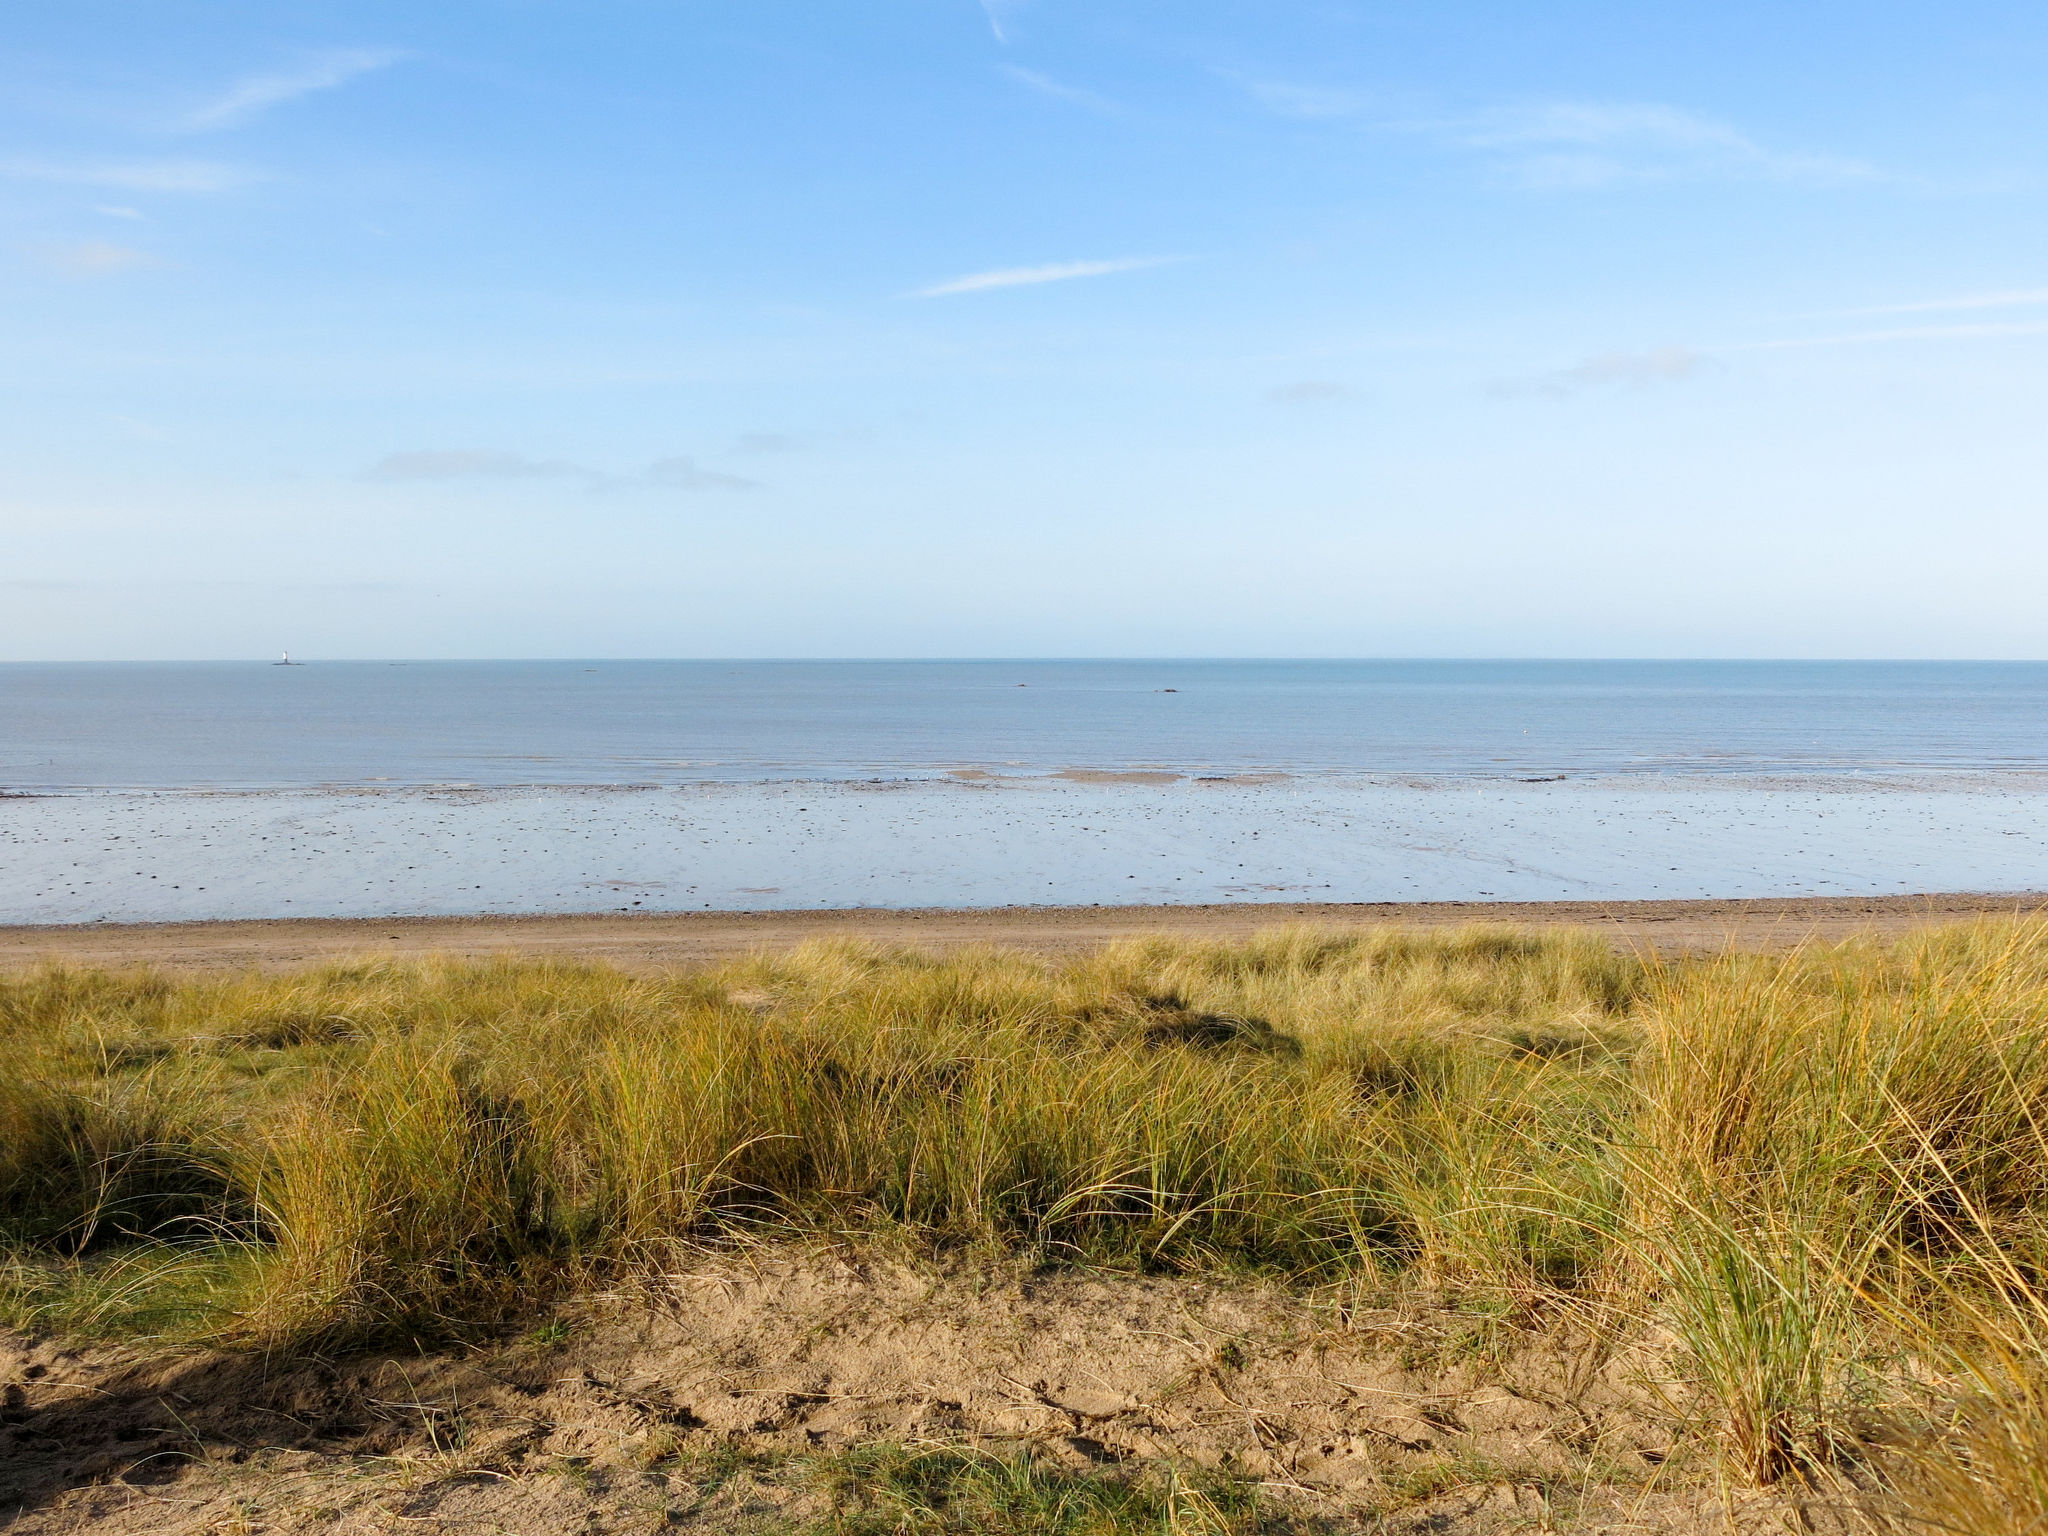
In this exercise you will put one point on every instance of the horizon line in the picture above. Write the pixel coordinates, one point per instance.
(1022, 659)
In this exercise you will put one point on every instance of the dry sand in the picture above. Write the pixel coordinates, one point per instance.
(1423, 1420)
(662, 940)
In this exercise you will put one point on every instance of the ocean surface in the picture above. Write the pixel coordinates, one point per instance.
(150, 793)
(255, 726)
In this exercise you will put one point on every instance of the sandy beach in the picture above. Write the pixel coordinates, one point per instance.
(658, 941)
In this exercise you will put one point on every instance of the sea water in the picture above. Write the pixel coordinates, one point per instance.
(503, 723)
(161, 792)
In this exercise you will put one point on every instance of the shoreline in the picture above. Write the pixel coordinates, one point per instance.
(663, 940)
(1861, 778)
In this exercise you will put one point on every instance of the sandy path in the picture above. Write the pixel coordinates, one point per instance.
(778, 1352)
(655, 941)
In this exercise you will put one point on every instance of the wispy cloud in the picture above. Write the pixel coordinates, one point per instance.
(673, 473)
(1307, 392)
(2011, 298)
(130, 175)
(1596, 144)
(1669, 365)
(1024, 277)
(1630, 370)
(257, 94)
(91, 258)
(684, 474)
(1315, 103)
(458, 463)
(156, 586)
(1561, 144)
(769, 442)
(998, 14)
(1985, 331)
(1045, 85)
(142, 431)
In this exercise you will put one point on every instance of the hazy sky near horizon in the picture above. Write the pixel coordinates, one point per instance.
(1023, 327)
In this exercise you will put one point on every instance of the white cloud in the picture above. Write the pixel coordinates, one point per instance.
(1594, 144)
(1315, 102)
(259, 93)
(1601, 124)
(1575, 144)
(683, 474)
(1986, 331)
(1023, 277)
(1306, 392)
(457, 463)
(92, 258)
(130, 175)
(1668, 365)
(117, 211)
(143, 431)
(1633, 370)
(675, 473)
(1045, 85)
(997, 12)
(2014, 298)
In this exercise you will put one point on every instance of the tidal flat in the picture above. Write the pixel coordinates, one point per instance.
(989, 840)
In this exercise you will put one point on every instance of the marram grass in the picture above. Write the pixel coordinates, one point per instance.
(1822, 1176)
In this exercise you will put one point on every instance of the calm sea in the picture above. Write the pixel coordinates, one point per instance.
(179, 725)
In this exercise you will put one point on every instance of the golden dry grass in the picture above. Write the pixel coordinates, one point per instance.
(1822, 1175)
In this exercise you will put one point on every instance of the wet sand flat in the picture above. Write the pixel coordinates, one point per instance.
(1067, 840)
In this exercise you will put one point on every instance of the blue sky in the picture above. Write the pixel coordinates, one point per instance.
(1026, 327)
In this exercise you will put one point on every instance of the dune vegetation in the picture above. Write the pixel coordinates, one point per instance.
(1821, 1177)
